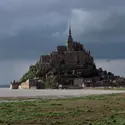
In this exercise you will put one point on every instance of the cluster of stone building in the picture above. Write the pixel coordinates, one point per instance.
(82, 70)
(29, 84)
(38, 84)
(72, 54)
(97, 81)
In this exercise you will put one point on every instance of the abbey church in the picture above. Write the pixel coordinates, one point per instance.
(73, 55)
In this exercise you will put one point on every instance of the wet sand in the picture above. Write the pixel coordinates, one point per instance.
(8, 93)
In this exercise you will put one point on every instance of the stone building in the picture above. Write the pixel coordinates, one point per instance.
(32, 84)
(14, 85)
(72, 54)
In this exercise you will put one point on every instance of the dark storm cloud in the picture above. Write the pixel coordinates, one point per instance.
(29, 28)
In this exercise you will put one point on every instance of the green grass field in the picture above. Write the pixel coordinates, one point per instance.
(90, 110)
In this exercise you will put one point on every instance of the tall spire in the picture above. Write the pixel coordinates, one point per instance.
(70, 32)
(70, 39)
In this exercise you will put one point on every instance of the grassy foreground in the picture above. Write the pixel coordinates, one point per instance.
(91, 110)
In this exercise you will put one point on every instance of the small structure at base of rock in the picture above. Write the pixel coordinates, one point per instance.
(32, 84)
(14, 85)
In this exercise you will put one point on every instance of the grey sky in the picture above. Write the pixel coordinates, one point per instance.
(32, 25)
(29, 28)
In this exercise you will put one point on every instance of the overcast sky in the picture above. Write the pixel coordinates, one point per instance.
(29, 28)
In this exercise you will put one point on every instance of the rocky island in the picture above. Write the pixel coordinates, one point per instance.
(70, 66)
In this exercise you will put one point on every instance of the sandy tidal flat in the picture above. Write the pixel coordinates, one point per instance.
(6, 92)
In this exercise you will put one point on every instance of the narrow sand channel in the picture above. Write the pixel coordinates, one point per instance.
(8, 93)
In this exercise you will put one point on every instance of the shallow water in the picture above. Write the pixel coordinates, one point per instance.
(4, 86)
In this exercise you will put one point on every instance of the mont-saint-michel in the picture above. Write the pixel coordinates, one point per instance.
(69, 66)
(80, 78)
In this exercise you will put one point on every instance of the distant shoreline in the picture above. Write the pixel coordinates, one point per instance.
(4, 86)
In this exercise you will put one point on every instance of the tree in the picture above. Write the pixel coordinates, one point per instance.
(31, 73)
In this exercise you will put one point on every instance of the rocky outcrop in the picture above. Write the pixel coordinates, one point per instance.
(66, 64)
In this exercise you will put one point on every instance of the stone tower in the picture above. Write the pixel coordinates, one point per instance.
(70, 39)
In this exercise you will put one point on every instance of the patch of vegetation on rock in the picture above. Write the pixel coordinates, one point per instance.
(32, 72)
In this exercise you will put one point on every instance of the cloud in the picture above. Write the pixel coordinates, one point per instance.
(99, 26)
(20, 14)
(29, 28)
